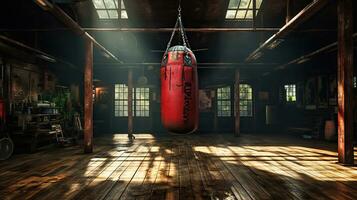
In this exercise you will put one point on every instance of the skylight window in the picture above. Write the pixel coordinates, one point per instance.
(109, 9)
(242, 9)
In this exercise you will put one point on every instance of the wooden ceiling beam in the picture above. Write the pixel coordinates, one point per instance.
(199, 65)
(157, 30)
(73, 25)
(305, 14)
(39, 53)
(301, 59)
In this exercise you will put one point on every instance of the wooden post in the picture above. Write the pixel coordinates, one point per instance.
(88, 97)
(345, 82)
(289, 10)
(215, 119)
(6, 87)
(130, 103)
(237, 100)
(9, 96)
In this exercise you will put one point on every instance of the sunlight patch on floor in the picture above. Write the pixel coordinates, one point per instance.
(292, 161)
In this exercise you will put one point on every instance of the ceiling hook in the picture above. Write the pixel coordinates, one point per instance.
(179, 7)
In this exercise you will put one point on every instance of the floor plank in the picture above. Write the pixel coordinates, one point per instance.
(187, 167)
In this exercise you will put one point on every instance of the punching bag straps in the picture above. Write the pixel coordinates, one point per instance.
(181, 27)
(172, 36)
(178, 25)
(183, 33)
(184, 41)
(167, 48)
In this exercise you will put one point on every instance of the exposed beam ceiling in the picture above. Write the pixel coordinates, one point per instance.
(40, 54)
(332, 46)
(207, 30)
(74, 26)
(305, 14)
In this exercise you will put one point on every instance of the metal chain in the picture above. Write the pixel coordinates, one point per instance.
(184, 36)
(181, 29)
(182, 33)
(172, 36)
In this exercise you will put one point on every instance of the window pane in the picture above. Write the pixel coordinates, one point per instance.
(231, 14)
(120, 100)
(124, 15)
(246, 100)
(290, 91)
(249, 14)
(142, 102)
(102, 14)
(241, 14)
(224, 102)
(98, 4)
(244, 4)
(109, 4)
(233, 4)
(122, 5)
(219, 94)
(259, 3)
(242, 9)
(113, 14)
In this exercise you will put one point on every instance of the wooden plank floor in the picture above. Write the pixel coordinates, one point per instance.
(182, 167)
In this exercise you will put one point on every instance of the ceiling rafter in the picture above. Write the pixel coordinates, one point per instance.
(305, 14)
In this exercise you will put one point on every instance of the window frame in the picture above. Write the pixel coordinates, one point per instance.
(112, 13)
(121, 101)
(141, 102)
(289, 93)
(225, 100)
(249, 102)
(122, 105)
(243, 9)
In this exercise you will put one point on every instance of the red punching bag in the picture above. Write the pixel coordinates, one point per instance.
(179, 91)
(179, 86)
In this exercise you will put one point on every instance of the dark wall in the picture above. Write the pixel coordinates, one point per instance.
(316, 94)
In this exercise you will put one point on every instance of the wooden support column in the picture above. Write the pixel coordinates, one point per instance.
(345, 82)
(130, 103)
(237, 100)
(215, 119)
(88, 97)
(8, 88)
